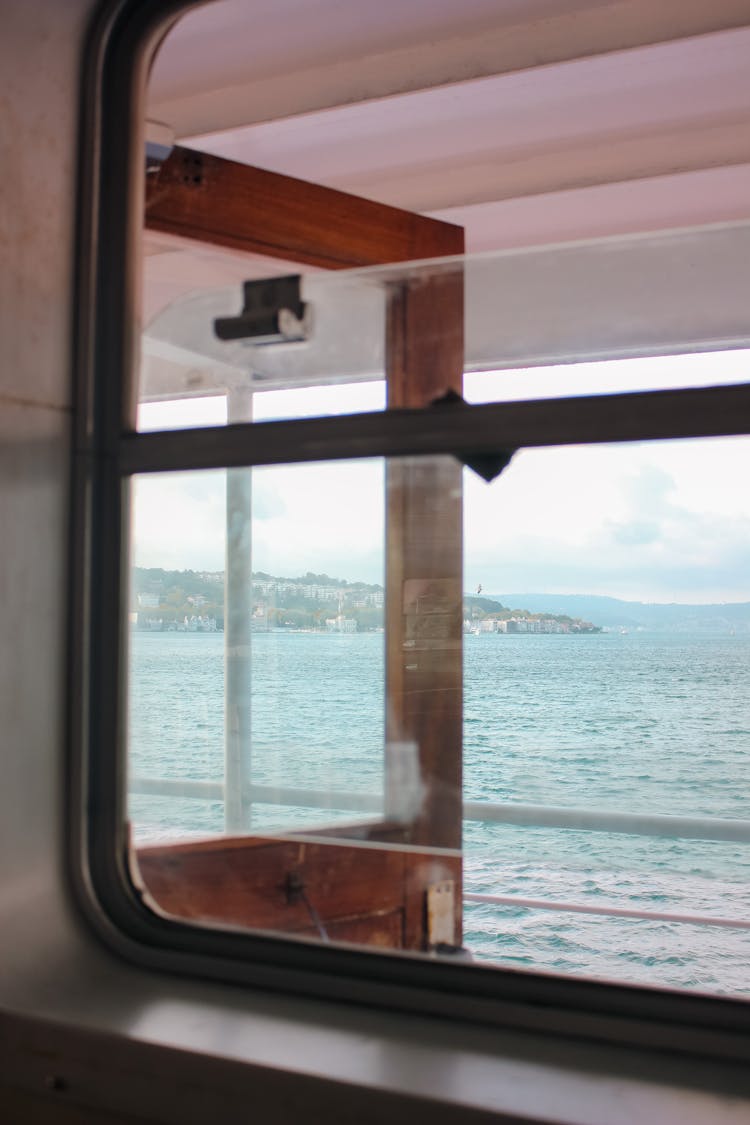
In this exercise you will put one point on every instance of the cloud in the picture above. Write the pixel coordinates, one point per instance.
(179, 520)
(326, 517)
(658, 522)
(649, 489)
(268, 501)
(636, 533)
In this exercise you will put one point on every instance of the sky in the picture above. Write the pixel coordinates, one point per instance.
(657, 522)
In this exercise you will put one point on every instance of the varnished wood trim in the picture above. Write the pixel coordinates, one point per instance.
(224, 203)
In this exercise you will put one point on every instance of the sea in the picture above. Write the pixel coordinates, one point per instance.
(645, 722)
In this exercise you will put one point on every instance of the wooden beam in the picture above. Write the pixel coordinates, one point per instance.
(208, 199)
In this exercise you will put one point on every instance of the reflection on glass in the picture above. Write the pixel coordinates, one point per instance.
(269, 784)
(605, 626)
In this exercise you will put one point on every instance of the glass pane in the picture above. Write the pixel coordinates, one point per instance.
(618, 315)
(188, 376)
(245, 603)
(273, 783)
(303, 775)
(607, 723)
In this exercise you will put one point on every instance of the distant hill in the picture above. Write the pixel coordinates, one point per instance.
(487, 605)
(615, 613)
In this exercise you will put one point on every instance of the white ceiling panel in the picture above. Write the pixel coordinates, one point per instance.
(244, 61)
(229, 42)
(632, 114)
(517, 119)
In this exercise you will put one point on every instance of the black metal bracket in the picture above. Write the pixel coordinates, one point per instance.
(273, 313)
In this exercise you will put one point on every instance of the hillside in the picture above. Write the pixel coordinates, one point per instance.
(617, 613)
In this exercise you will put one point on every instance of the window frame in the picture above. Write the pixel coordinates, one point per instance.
(107, 452)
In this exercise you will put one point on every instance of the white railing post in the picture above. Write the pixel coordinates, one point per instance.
(238, 593)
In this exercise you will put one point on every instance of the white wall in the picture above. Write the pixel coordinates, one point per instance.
(38, 127)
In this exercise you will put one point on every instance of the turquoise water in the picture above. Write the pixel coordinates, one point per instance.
(643, 722)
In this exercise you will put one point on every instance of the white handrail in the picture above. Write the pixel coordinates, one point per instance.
(532, 816)
(536, 816)
(608, 911)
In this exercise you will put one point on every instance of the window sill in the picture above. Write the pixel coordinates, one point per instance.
(105, 1037)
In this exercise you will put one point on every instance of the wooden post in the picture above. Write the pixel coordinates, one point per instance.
(424, 612)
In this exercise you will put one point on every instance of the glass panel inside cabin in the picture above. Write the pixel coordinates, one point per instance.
(250, 591)
(531, 324)
(588, 817)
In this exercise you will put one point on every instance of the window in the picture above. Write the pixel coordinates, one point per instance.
(296, 629)
(277, 740)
